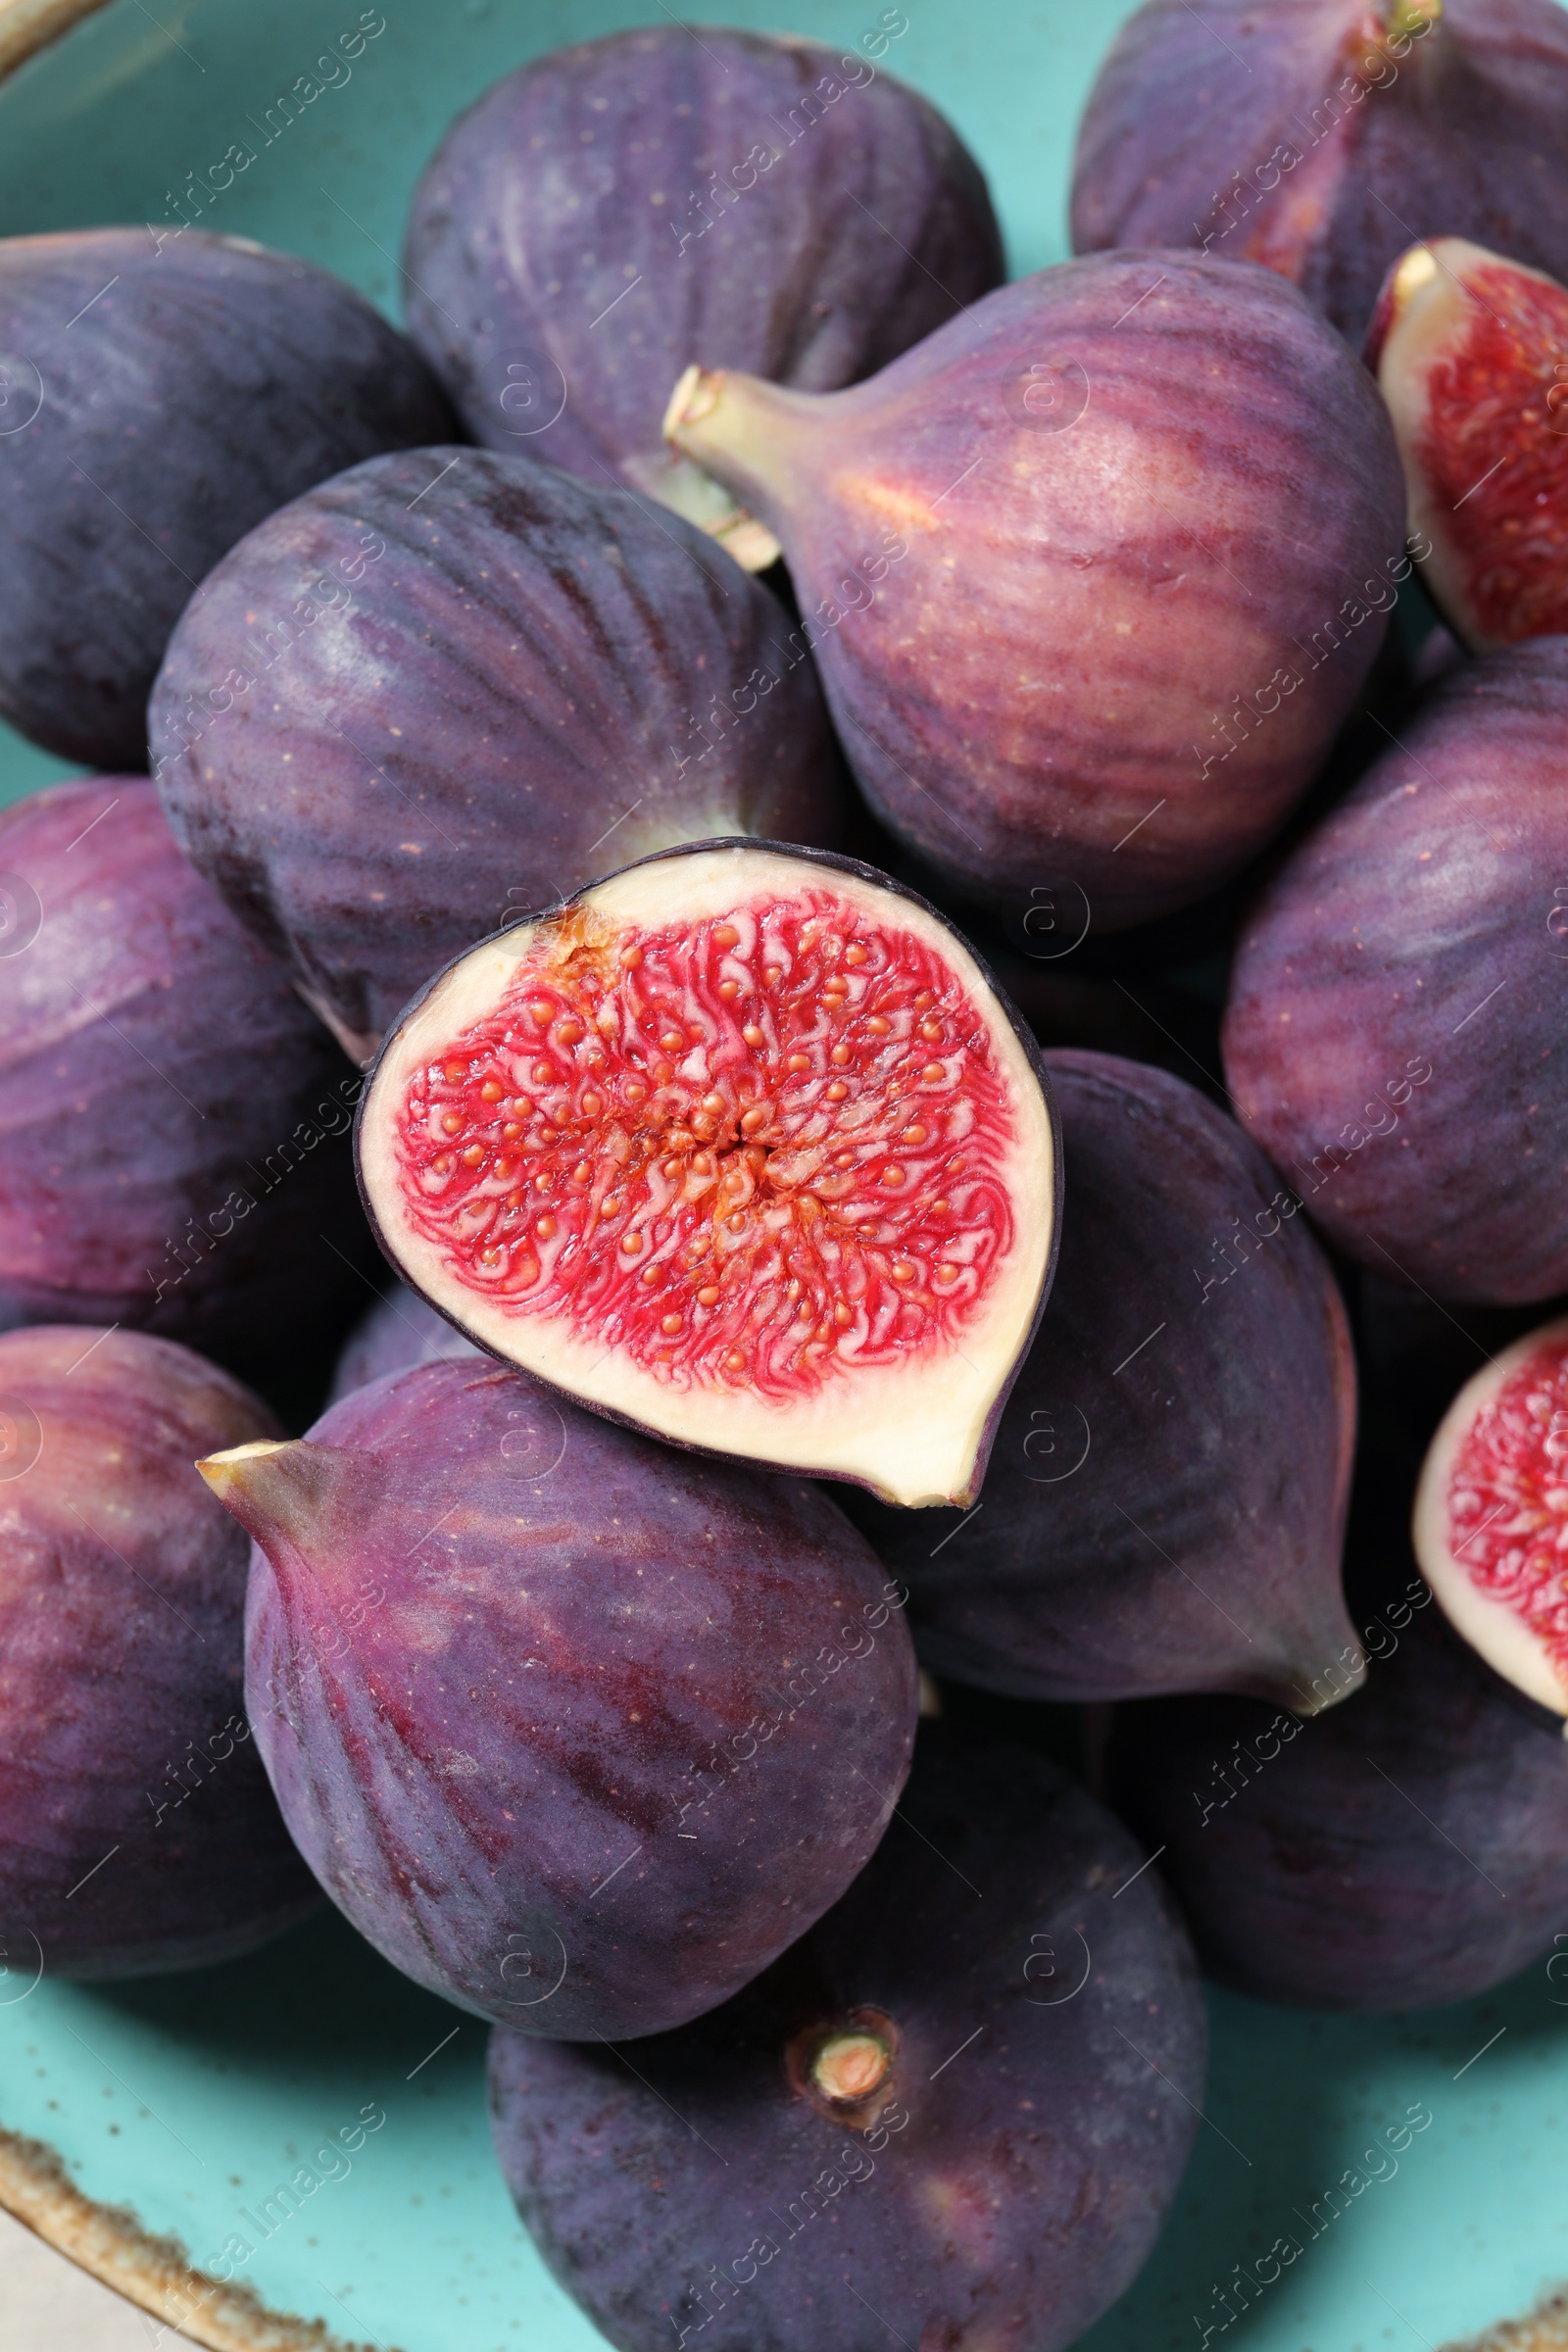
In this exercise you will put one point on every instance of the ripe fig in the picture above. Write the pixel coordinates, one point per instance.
(498, 1653)
(1393, 1027)
(738, 1147)
(1044, 686)
(523, 680)
(1490, 1511)
(982, 2178)
(1472, 357)
(137, 1831)
(1322, 137)
(175, 1121)
(616, 209)
(163, 401)
(1166, 1504)
(1409, 1848)
(400, 1331)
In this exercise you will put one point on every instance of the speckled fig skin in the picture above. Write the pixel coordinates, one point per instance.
(1043, 687)
(1393, 1032)
(517, 681)
(174, 1123)
(1299, 1854)
(1165, 1508)
(202, 383)
(605, 216)
(579, 1732)
(400, 1330)
(1322, 137)
(137, 1831)
(1001, 2185)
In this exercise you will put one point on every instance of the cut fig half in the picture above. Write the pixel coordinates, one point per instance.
(740, 1147)
(1492, 1515)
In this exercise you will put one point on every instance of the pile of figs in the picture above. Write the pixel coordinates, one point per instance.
(819, 981)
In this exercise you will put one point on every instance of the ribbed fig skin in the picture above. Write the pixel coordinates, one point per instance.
(174, 1123)
(137, 1831)
(1010, 2176)
(602, 218)
(1165, 1508)
(1322, 138)
(1092, 575)
(511, 689)
(578, 1732)
(400, 1331)
(185, 389)
(1393, 1032)
(1409, 1848)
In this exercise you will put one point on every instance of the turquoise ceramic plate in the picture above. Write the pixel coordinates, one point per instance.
(205, 2105)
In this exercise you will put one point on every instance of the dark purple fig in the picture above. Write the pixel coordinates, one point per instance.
(739, 1147)
(506, 1662)
(954, 2114)
(615, 210)
(1394, 1034)
(1166, 1504)
(1322, 137)
(1045, 688)
(400, 1331)
(174, 1122)
(164, 393)
(1409, 1848)
(508, 682)
(137, 1831)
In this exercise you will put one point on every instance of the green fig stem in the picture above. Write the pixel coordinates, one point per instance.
(1408, 19)
(743, 432)
(274, 1488)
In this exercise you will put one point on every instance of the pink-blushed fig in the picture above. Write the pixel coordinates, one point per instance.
(496, 683)
(174, 1122)
(400, 1331)
(1166, 1504)
(618, 208)
(1321, 137)
(137, 1831)
(1044, 684)
(163, 394)
(506, 1662)
(1393, 1032)
(1407, 1849)
(1471, 352)
(1492, 1514)
(955, 2113)
(739, 1147)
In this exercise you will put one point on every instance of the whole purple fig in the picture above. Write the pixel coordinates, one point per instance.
(1323, 137)
(173, 1118)
(1092, 575)
(137, 1831)
(511, 681)
(953, 2114)
(616, 209)
(1393, 1035)
(1165, 1508)
(164, 394)
(400, 1331)
(506, 1661)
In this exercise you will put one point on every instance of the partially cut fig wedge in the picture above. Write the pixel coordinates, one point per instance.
(740, 1147)
(1492, 1514)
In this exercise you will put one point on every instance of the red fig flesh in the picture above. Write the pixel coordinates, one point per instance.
(1472, 357)
(739, 1147)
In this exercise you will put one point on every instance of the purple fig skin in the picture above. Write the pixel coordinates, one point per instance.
(174, 1121)
(518, 680)
(1407, 1849)
(1008, 2176)
(1393, 1036)
(562, 266)
(1038, 687)
(400, 1331)
(500, 1653)
(137, 1831)
(1166, 1504)
(200, 387)
(1324, 138)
